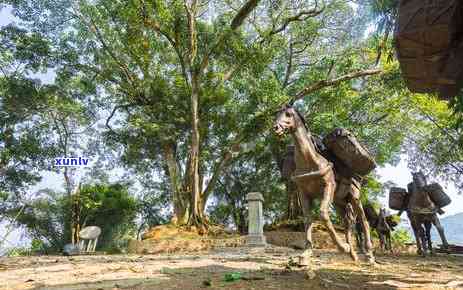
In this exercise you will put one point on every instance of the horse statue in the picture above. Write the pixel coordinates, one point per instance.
(384, 228)
(381, 223)
(316, 179)
(422, 213)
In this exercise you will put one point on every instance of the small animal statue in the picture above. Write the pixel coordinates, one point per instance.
(422, 213)
(316, 179)
(382, 224)
(384, 230)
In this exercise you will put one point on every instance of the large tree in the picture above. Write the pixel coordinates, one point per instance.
(191, 81)
(191, 86)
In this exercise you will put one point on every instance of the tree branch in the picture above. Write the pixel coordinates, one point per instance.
(219, 167)
(114, 112)
(289, 67)
(245, 10)
(301, 16)
(328, 83)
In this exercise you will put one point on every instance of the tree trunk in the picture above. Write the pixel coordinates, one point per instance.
(196, 214)
(179, 200)
(294, 208)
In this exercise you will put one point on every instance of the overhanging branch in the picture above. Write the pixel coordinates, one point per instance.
(328, 83)
(245, 10)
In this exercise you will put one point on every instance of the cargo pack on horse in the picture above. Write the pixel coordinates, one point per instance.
(429, 44)
(422, 202)
(315, 178)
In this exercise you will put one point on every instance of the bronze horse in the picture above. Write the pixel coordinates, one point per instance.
(422, 213)
(315, 178)
(382, 224)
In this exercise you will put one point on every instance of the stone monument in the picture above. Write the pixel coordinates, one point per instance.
(255, 235)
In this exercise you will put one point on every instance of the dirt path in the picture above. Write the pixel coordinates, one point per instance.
(268, 268)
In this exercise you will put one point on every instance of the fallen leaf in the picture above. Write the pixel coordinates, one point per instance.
(136, 269)
(233, 276)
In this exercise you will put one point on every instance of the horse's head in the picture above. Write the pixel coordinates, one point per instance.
(287, 120)
(419, 179)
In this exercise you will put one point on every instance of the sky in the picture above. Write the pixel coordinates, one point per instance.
(398, 174)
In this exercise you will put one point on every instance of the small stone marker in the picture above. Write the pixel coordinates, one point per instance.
(255, 235)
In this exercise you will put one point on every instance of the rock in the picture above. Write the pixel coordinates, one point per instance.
(71, 250)
(310, 274)
(298, 244)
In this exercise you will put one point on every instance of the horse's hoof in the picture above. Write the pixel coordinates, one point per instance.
(354, 256)
(346, 248)
(371, 259)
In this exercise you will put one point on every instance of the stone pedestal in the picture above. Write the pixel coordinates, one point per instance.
(255, 235)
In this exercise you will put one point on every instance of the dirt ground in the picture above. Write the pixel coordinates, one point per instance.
(258, 268)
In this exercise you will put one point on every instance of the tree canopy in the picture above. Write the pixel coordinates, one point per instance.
(182, 94)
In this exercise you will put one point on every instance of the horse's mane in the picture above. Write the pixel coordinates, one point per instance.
(302, 118)
(316, 140)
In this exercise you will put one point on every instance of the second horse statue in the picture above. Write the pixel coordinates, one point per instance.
(316, 178)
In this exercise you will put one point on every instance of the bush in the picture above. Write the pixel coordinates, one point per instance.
(109, 206)
(401, 237)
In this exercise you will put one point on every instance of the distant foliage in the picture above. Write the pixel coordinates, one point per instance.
(108, 206)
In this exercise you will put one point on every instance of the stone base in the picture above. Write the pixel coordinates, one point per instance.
(256, 240)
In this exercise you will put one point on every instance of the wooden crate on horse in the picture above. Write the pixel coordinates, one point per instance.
(437, 195)
(397, 196)
(427, 33)
(453, 71)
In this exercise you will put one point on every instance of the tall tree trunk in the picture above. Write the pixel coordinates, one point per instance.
(196, 212)
(196, 215)
(180, 200)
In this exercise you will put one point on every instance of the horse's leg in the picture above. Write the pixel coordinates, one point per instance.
(388, 241)
(422, 238)
(348, 216)
(326, 201)
(357, 205)
(307, 211)
(416, 233)
(440, 230)
(359, 237)
(381, 241)
(428, 225)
